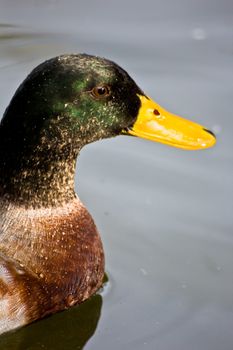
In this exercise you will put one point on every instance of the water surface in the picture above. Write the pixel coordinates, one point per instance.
(165, 215)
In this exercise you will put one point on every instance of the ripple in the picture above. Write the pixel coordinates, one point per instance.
(107, 286)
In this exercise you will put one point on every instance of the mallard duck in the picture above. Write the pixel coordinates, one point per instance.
(51, 255)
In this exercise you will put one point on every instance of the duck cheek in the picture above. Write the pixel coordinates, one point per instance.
(95, 133)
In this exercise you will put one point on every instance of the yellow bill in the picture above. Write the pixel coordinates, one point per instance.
(155, 123)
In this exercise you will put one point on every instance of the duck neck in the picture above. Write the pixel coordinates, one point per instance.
(37, 174)
(40, 184)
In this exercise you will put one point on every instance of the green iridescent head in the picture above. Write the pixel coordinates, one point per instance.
(72, 99)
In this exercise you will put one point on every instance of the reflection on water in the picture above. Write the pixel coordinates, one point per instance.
(7, 25)
(10, 31)
(16, 35)
(70, 329)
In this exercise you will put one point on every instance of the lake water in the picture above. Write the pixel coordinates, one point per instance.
(165, 215)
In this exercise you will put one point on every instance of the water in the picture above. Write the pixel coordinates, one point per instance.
(165, 215)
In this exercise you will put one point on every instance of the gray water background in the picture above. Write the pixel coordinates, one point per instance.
(165, 215)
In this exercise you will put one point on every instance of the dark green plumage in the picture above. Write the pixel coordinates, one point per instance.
(60, 107)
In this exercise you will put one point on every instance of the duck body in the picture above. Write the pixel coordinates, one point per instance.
(51, 255)
(51, 259)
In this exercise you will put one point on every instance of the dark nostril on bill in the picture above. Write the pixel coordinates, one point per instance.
(156, 112)
(210, 132)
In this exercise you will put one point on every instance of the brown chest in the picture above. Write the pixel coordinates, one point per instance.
(63, 249)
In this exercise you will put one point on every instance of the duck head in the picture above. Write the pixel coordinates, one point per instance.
(66, 103)
(72, 100)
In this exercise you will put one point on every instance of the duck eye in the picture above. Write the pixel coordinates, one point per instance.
(101, 91)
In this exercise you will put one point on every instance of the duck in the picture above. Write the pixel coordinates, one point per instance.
(51, 254)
